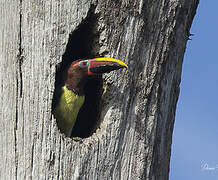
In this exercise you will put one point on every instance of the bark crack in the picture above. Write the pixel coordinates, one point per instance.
(19, 87)
(20, 55)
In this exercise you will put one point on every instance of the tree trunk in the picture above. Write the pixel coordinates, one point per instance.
(129, 134)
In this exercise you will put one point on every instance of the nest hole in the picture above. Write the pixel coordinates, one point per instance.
(80, 45)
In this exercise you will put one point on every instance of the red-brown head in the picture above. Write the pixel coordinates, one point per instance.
(79, 71)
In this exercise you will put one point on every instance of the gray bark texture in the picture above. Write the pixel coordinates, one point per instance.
(134, 134)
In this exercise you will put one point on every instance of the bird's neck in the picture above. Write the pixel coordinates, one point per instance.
(76, 84)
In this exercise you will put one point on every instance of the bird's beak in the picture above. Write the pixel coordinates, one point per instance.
(104, 65)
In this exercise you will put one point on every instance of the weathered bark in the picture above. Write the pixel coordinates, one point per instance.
(133, 140)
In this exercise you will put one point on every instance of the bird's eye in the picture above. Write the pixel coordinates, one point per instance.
(84, 64)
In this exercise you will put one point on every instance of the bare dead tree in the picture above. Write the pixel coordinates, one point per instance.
(127, 121)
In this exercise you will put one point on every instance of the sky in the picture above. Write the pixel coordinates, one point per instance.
(195, 139)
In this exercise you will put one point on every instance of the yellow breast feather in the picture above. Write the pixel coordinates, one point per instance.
(67, 109)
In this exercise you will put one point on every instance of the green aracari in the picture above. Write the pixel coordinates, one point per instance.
(72, 94)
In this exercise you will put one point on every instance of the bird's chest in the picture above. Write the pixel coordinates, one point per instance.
(69, 105)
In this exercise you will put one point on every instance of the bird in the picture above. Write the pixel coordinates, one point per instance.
(71, 95)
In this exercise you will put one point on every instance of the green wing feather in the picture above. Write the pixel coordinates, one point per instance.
(67, 109)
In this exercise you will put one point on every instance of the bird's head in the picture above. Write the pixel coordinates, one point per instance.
(79, 70)
(99, 65)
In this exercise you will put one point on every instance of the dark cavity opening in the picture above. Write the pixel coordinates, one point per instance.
(81, 45)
